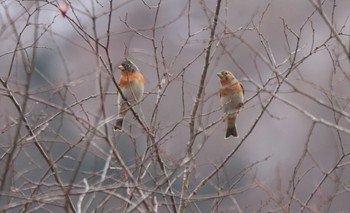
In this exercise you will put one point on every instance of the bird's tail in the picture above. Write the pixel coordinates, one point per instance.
(231, 126)
(119, 124)
(122, 110)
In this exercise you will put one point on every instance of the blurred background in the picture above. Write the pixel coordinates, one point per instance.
(58, 91)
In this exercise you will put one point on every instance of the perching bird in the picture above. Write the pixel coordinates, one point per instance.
(131, 83)
(231, 99)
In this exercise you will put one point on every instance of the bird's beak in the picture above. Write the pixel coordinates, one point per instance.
(121, 67)
(219, 74)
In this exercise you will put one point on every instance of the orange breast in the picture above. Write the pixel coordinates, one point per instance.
(230, 88)
(128, 78)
